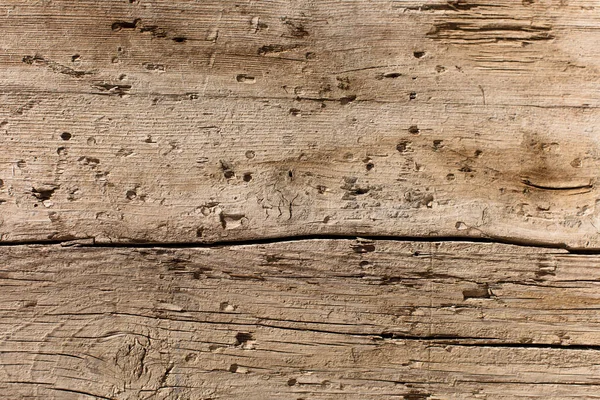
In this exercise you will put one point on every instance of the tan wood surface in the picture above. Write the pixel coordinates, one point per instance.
(316, 319)
(299, 199)
(228, 120)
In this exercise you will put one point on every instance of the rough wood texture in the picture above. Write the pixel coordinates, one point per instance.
(178, 121)
(285, 129)
(319, 319)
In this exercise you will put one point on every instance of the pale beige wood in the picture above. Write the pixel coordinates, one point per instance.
(223, 120)
(316, 319)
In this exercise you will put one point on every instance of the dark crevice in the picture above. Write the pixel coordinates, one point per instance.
(537, 382)
(533, 346)
(90, 242)
(462, 341)
(449, 340)
(556, 188)
(485, 342)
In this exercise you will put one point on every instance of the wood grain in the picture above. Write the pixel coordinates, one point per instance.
(203, 121)
(315, 319)
(182, 185)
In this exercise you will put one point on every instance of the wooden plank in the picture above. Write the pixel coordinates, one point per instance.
(315, 319)
(203, 121)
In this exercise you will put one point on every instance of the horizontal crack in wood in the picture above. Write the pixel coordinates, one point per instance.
(90, 242)
(527, 182)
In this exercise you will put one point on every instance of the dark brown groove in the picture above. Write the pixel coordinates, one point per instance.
(527, 182)
(90, 242)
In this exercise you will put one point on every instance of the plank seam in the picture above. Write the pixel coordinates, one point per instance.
(90, 242)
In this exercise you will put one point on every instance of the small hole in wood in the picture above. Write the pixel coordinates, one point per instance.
(242, 337)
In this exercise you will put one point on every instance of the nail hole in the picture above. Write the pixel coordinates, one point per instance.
(402, 146)
(414, 130)
(242, 338)
(65, 136)
(419, 54)
(117, 26)
(243, 78)
(227, 170)
(392, 75)
(347, 99)
(247, 177)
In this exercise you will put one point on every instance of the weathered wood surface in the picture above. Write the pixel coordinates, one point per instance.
(179, 121)
(317, 319)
